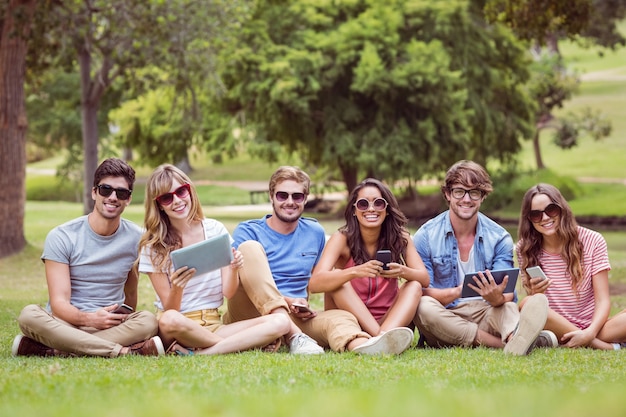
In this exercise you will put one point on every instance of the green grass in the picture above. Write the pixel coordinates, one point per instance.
(454, 382)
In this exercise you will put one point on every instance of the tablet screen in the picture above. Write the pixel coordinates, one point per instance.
(205, 256)
(498, 275)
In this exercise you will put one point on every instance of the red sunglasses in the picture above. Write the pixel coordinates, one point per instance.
(167, 198)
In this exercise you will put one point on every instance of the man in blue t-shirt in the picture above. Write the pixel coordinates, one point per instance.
(280, 251)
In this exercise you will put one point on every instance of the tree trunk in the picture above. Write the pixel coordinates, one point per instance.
(537, 150)
(18, 16)
(348, 174)
(89, 112)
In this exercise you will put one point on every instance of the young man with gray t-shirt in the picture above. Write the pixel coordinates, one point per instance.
(91, 274)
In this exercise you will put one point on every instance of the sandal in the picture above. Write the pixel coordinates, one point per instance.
(273, 347)
(176, 349)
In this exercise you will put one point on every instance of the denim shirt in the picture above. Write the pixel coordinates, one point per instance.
(436, 244)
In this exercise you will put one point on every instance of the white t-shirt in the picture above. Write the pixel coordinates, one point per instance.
(203, 291)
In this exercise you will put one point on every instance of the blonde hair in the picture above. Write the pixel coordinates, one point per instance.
(287, 173)
(159, 236)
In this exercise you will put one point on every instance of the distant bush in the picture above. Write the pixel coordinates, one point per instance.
(51, 188)
(510, 187)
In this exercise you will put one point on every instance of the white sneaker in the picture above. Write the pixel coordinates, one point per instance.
(532, 319)
(301, 344)
(392, 342)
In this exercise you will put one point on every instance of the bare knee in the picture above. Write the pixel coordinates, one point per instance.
(171, 321)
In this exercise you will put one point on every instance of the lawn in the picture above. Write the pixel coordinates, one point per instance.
(478, 382)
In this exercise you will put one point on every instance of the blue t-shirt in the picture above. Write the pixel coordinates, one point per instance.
(291, 257)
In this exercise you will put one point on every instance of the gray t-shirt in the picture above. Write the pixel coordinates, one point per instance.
(99, 265)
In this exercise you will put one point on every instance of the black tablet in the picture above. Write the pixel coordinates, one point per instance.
(498, 275)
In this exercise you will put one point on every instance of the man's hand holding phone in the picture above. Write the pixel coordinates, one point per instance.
(301, 309)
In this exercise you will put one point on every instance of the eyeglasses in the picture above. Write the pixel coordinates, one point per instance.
(284, 196)
(459, 193)
(167, 198)
(363, 204)
(106, 190)
(552, 210)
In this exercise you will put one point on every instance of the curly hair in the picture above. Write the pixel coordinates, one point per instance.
(393, 230)
(530, 240)
(470, 174)
(158, 234)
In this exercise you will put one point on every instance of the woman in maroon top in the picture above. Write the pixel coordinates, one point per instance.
(382, 296)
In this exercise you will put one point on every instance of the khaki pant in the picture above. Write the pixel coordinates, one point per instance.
(257, 295)
(38, 324)
(458, 326)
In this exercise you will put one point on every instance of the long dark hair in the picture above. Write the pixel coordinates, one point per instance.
(530, 240)
(392, 232)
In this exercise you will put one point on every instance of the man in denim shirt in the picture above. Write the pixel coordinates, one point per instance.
(462, 240)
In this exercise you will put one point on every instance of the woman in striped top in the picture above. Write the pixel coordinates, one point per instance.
(576, 264)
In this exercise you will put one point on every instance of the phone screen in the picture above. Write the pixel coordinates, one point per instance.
(385, 257)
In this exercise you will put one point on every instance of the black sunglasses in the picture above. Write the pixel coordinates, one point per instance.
(106, 190)
(363, 204)
(167, 198)
(552, 210)
(284, 195)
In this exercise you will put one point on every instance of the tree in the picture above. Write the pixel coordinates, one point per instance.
(589, 21)
(395, 89)
(15, 25)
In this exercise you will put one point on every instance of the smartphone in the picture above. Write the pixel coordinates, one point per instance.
(302, 308)
(536, 272)
(385, 257)
(124, 309)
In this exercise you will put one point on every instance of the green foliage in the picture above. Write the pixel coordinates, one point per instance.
(395, 89)
(512, 184)
(50, 188)
(567, 17)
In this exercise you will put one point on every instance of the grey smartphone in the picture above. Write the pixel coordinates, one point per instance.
(385, 257)
(302, 308)
(124, 309)
(536, 272)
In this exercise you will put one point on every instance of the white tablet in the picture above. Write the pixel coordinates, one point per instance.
(205, 256)
(498, 276)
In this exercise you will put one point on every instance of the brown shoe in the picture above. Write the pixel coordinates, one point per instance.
(150, 347)
(25, 346)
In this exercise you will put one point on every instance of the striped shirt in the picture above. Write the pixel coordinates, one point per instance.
(578, 308)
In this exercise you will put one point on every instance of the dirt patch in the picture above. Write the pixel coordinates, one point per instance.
(618, 288)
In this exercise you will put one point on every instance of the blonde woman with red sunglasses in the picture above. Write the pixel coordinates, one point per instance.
(575, 265)
(188, 303)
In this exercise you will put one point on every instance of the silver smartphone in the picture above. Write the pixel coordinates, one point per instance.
(536, 272)
(124, 309)
(302, 308)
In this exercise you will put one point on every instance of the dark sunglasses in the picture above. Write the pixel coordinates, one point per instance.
(167, 198)
(284, 196)
(363, 204)
(552, 210)
(106, 190)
